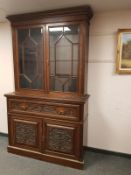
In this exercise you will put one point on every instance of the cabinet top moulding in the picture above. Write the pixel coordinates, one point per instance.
(83, 12)
(48, 97)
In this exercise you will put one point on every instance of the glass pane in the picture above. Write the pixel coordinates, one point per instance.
(64, 57)
(30, 43)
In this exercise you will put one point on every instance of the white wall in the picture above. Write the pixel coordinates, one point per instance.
(109, 116)
(6, 72)
(109, 122)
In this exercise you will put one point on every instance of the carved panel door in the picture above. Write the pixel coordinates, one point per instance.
(62, 139)
(26, 132)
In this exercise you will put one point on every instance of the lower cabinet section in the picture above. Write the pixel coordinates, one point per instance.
(46, 139)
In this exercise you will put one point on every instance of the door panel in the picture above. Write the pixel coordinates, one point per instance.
(64, 44)
(26, 132)
(30, 57)
(62, 138)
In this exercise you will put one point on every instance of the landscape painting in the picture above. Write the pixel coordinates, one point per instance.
(124, 51)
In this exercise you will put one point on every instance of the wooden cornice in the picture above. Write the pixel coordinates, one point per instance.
(79, 10)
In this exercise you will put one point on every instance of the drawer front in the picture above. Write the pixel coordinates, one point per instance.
(56, 110)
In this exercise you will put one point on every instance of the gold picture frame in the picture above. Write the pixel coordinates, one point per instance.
(123, 61)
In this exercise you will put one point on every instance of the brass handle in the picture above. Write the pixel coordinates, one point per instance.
(60, 111)
(23, 106)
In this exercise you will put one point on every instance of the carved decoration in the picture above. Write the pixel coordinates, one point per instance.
(25, 133)
(60, 140)
(44, 108)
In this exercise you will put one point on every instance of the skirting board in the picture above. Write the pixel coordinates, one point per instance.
(3, 134)
(95, 150)
(102, 151)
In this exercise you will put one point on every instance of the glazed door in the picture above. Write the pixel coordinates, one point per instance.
(62, 139)
(64, 57)
(29, 58)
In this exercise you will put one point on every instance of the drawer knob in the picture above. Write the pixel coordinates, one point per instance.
(23, 106)
(60, 111)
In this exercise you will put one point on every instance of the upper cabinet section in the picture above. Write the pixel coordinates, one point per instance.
(50, 50)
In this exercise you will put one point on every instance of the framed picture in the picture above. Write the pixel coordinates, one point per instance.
(123, 61)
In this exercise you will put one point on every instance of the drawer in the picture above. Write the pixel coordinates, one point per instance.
(56, 110)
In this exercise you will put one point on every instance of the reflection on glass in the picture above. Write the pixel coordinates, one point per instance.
(30, 41)
(64, 56)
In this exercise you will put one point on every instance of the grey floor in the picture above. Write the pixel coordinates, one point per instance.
(95, 164)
